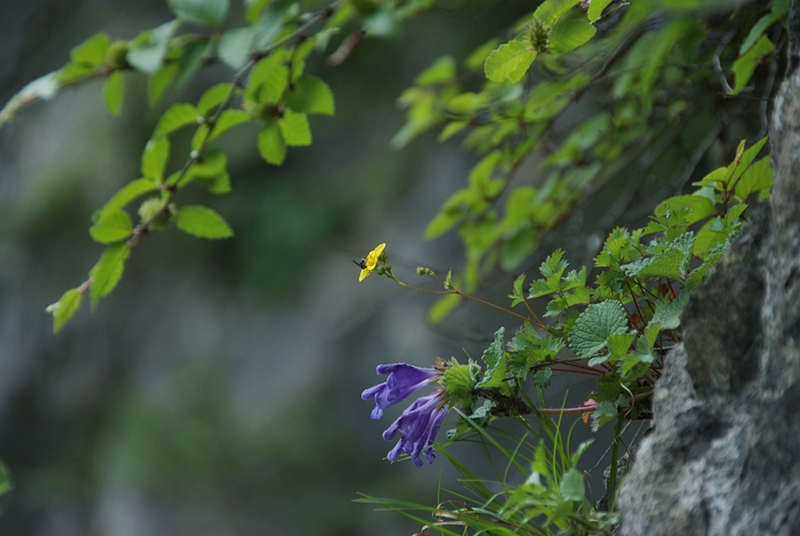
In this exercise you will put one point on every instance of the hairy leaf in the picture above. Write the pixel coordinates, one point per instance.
(590, 333)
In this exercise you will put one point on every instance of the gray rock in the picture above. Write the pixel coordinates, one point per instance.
(724, 458)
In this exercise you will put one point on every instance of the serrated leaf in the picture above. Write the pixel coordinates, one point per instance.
(494, 357)
(569, 34)
(202, 12)
(443, 307)
(227, 120)
(668, 313)
(697, 207)
(65, 308)
(202, 222)
(270, 144)
(92, 51)
(744, 67)
(108, 271)
(160, 81)
(590, 333)
(155, 157)
(509, 62)
(746, 158)
(268, 79)
(177, 116)
(618, 344)
(311, 95)
(112, 92)
(549, 11)
(757, 179)
(128, 193)
(112, 226)
(542, 377)
(212, 98)
(596, 8)
(295, 129)
(518, 296)
(147, 50)
(235, 46)
(572, 486)
(211, 173)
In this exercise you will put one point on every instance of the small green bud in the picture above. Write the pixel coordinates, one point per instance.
(538, 36)
(420, 270)
(154, 211)
(380, 270)
(117, 55)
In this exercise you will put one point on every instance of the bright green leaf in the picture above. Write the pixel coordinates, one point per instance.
(202, 222)
(235, 46)
(442, 71)
(227, 120)
(744, 67)
(177, 116)
(108, 271)
(549, 11)
(92, 51)
(212, 98)
(569, 34)
(475, 61)
(194, 54)
(160, 81)
(112, 92)
(509, 62)
(295, 129)
(310, 95)
(757, 178)
(271, 145)
(147, 50)
(155, 157)
(697, 207)
(668, 312)
(590, 333)
(202, 12)
(572, 486)
(596, 8)
(112, 226)
(268, 79)
(65, 308)
(211, 173)
(128, 193)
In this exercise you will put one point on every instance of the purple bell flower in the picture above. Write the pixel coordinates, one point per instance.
(420, 422)
(403, 380)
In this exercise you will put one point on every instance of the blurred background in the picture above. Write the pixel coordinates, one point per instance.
(216, 390)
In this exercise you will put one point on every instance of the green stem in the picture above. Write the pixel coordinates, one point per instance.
(612, 478)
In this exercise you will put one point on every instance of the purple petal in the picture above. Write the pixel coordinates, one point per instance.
(403, 380)
(418, 426)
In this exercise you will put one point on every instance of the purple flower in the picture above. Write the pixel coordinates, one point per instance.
(420, 422)
(403, 380)
(417, 427)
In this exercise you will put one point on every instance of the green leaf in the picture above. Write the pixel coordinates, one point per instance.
(757, 31)
(112, 226)
(202, 12)
(212, 98)
(108, 271)
(494, 357)
(618, 344)
(596, 8)
(44, 88)
(202, 222)
(192, 59)
(271, 145)
(268, 79)
(128, 193)
(160, 81)
(549, 11)
(112, 92)
(509, 62)
(590, 333)
(697, 207)
(443, 307)
(211, 173)
(235, 46)
(572, 486)
(569, 34)
(177, 116)
(92, 51)
(147, 50)
(744, 67)
(5, 479)
(227, 120)
(757, 178)
(65, 308)
(155, 157)
(295, 129)
(668, 312)
(476, 60)
(442, 71)
(310, 95)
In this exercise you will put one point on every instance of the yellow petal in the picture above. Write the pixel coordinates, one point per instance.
(364, 273)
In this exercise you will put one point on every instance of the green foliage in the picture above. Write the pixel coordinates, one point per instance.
(202, 222)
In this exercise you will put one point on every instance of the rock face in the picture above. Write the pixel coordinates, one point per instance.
(724, 458)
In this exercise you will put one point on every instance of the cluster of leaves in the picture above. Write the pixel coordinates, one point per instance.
(269, 88)
(644, 72)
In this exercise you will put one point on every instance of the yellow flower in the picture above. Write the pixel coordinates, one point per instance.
(369, 264)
